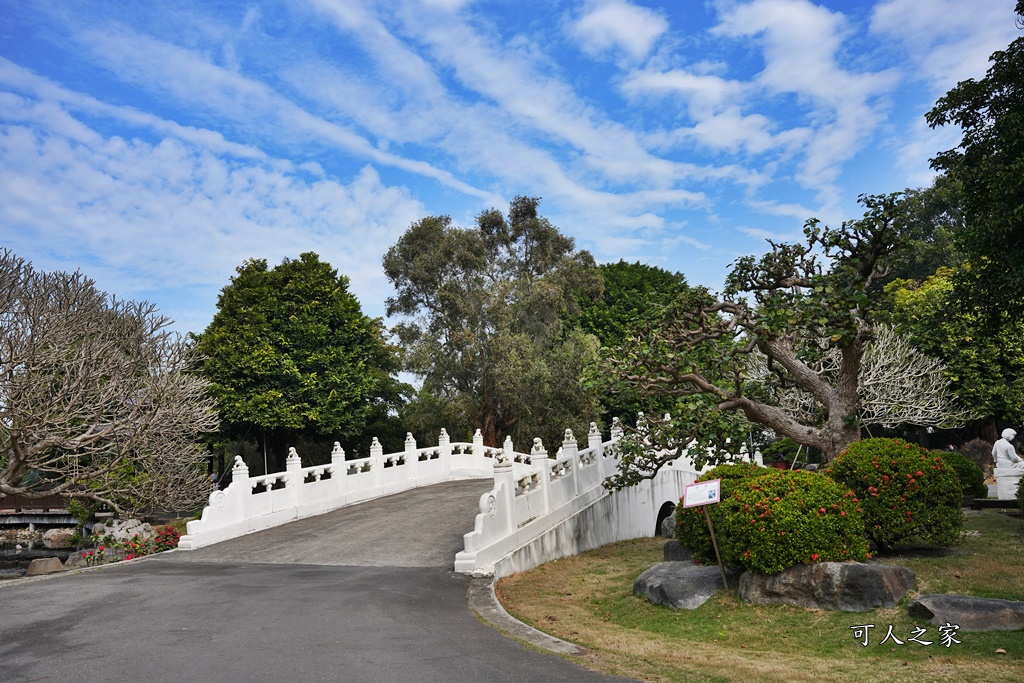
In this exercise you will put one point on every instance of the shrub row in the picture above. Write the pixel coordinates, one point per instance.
(885, 492)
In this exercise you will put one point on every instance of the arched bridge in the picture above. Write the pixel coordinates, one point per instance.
(529, 507)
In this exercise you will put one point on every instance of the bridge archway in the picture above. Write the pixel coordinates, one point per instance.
(668, 509)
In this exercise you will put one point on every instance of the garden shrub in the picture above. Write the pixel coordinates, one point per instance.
(692, 528)
(972, 479)
(979, 452)
(1020, 495)
(908, 494)
(783, 518)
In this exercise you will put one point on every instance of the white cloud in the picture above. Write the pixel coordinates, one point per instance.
(618, 26)
(165, 214)
(947, 40)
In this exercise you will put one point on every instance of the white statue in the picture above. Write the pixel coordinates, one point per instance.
(1004, 454)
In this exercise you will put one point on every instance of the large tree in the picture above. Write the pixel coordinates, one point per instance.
(97, 397)
(484, 328)
(989, 164)
(289, 353)
(632, 293)
(785, 346)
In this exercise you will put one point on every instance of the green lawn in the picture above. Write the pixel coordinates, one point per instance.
(588, 600)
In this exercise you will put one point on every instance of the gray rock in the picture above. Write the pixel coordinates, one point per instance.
(44, 565)
(970, 614)
(668, 527)
(679, 585)
(75, 561)
(58, 538)
(124, 530)
(842, 586)
(677, 552)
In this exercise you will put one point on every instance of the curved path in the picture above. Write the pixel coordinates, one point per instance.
(362, 594)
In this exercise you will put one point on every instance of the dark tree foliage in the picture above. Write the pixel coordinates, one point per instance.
(989, 164)
(633, 292)
(289, 353)
(485, 310)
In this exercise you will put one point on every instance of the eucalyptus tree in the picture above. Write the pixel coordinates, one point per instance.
(484, 326)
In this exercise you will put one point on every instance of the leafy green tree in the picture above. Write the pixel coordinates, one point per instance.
(485, 310)
(289, 353)
(631, 292)
(931, 218)
(785, 346)
(984, 365)
(989, 164)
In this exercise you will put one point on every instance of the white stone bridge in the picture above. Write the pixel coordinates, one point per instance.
(540, 507)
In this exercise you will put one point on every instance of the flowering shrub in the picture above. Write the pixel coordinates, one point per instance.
(784, 518)
(909, 495)
(691, 527)
(972, 480)
(166, 539)
(93, 557)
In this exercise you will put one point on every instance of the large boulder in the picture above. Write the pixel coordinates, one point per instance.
(58, 538)
(677, 552)
(970, 614)
(668, 527)
(679, 585)
(842, 586)
(44, 565)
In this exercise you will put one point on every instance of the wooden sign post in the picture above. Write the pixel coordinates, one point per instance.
(703, 494)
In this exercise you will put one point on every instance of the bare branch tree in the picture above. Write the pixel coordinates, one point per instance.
(97, 399)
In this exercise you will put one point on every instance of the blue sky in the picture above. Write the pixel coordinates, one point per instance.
(155, 146)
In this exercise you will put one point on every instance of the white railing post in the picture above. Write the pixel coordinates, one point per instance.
(594, 442)
(377, 463)
(411, 457)
(339, 470)
(569, 450)
(539, 458)
(293, 477)
(610, 459)
(479, 457)
(240, 475)
(505, 484)
(444, 452)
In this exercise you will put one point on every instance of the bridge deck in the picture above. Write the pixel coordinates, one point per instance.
(417, 528)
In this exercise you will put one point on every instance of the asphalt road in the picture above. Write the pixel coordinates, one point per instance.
(365, 593)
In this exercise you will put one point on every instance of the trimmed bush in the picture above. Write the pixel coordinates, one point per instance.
(908, 495)
(692, 528)
(1020, 495)
(972, 479)
(784, 518)
(979, 452)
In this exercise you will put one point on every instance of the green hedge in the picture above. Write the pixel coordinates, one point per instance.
(691, 526)
(972, 479)
(908, 494)
(783, 518)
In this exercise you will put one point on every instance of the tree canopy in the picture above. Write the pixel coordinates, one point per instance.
(97, 397)
(289, 352)
(989, 165)
(785, 346)
(484, 322)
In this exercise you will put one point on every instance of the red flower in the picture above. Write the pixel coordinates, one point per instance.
(821, 510)
(843, 513)
(920, 473)
(814, 557)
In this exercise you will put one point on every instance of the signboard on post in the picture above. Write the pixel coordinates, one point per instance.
(703, 493)
(706, 493)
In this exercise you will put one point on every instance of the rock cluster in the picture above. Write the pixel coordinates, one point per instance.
(969, 613)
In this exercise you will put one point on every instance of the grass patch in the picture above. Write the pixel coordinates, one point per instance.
(588, 600)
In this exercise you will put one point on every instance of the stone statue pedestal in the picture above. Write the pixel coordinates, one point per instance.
(1007, 480)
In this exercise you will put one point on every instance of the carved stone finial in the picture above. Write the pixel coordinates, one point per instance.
(508, 441)
(593, 428)
(477, 433)
(616, 423)
(444, 432)
(409, 439)
(238, 462)
(375, 443)
(538, 446)
(337, 452)
(569, 436)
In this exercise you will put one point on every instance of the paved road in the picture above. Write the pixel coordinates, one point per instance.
(301, 602)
